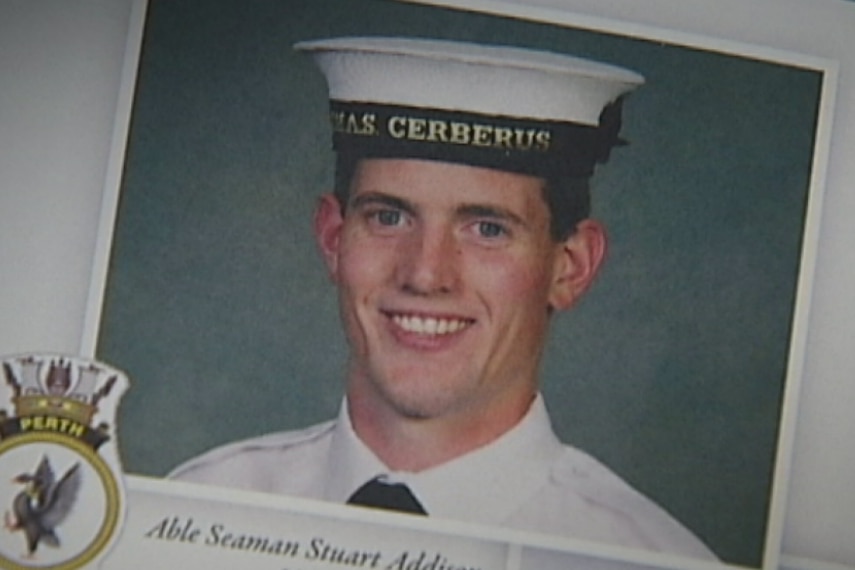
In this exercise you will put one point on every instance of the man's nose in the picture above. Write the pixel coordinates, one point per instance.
(430, 263)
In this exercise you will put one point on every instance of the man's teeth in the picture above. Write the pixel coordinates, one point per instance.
(429, 325)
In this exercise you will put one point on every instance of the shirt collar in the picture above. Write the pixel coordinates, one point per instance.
(351, 463)
(485, 485)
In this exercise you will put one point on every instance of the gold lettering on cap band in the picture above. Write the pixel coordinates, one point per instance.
(480, 134)
(354, 123)
(515, 144)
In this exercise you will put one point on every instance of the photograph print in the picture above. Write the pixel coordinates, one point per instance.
(469, 265)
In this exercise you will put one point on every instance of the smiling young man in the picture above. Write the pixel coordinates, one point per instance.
(458, 227)
(447, 275)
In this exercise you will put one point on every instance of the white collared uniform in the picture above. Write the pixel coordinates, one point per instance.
(527, 480)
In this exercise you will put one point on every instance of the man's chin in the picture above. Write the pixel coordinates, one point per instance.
(422, 405)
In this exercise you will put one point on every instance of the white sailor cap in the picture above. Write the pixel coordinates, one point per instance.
(509, 108)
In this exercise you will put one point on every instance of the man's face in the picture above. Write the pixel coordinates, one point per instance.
(446, 274)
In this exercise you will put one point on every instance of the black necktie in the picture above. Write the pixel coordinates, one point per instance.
(390, 496)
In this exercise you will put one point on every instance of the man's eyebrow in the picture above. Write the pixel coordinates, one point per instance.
(379, 198)
(493, 212)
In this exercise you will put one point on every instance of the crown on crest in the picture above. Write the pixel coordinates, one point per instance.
(57, 387)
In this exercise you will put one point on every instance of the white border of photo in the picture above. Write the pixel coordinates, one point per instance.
(817, 33)
(803, 34)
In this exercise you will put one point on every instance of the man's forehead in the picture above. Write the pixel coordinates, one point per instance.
(417, 184)
(382, 168)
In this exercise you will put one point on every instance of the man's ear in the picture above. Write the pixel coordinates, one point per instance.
(577, 261)
(328, 223)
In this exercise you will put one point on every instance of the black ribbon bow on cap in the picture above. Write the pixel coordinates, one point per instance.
(609, 130)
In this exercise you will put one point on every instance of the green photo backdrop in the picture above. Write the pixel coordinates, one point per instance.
(672, 369)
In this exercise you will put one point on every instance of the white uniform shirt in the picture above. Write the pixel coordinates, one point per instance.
(526, 479)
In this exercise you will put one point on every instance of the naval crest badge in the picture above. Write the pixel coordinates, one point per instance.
(61, 488)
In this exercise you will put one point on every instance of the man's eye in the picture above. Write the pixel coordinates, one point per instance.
(388, 217)
(490, 229)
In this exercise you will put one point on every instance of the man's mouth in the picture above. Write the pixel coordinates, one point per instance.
(433, 326)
